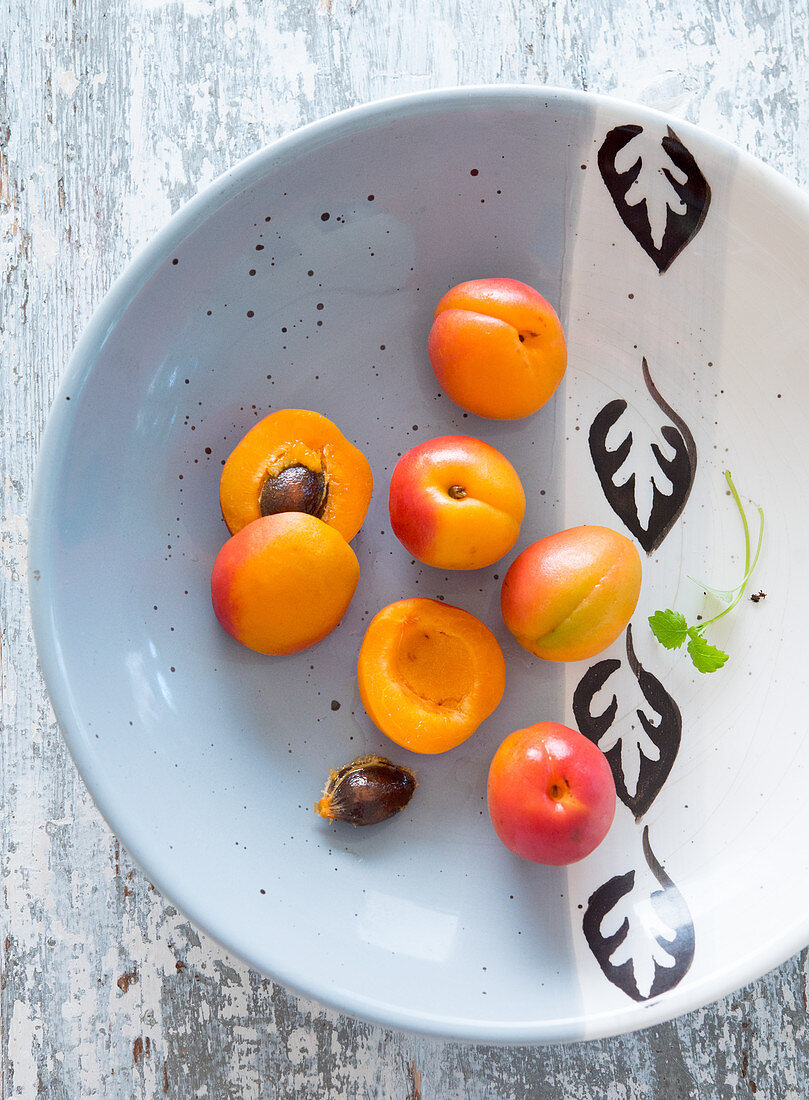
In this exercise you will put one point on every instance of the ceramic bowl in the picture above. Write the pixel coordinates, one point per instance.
(306, 277)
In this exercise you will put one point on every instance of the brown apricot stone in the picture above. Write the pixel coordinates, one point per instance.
(294, 489)
(366, 791)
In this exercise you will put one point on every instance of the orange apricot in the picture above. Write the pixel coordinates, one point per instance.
(497, 348)
(456, 503)
(570, 595)
(296, 460)
(283, 582)
(429, 674)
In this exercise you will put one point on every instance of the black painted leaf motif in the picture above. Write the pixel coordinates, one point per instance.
(661, 938)
(656, 747)
(692, 194)
(675, 473)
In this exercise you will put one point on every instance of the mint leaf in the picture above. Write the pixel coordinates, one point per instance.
(706, 657)
(669, 627)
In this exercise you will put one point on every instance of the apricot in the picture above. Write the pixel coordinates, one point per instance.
(551, 794)
(283, 582)
(570, 595)
(429, 674)
(296, 460)
(497, 348)
(456, 503)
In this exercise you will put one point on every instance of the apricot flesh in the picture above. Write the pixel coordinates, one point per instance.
(570, 595)
(296, 460)
(497, 348)
(429, 674)
(283, 582)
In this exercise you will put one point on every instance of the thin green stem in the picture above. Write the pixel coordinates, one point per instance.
(748, 567)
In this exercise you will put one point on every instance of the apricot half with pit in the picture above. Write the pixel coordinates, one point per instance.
(283, 582)
(429, 674)
(296, 460)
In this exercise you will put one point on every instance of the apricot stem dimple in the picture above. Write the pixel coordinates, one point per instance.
(294, 489)
(457, 492)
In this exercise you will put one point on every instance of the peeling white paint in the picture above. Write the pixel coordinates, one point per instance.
(66, 81)
(45, 246)
(192, 8)
(24, 1036)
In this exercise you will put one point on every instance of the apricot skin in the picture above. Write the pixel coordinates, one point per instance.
(456, 503)
(429, 674)
(283, 582)
(570, 595)
(497, 348)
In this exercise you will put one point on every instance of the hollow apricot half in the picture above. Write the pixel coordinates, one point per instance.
(296, 460)
(429, 674)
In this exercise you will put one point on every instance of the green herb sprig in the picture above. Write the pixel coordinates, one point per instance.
(671, 627)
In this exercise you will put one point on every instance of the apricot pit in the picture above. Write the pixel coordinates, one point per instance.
(366, 791)
(295, 489)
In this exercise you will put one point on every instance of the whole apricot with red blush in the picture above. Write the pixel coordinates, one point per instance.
(551, 794)
(456, 503)
(429, 674)
(283, 582)
(497, 348)
(570, 595)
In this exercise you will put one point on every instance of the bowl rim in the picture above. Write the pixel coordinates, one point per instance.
(144, 263)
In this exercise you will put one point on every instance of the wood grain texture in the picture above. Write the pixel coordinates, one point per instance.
(111, 116)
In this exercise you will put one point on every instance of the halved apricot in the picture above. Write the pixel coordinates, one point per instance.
(283, 582)
(296, 460)
(429, 674)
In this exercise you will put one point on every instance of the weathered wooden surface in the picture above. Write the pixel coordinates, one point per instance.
(111, 116)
